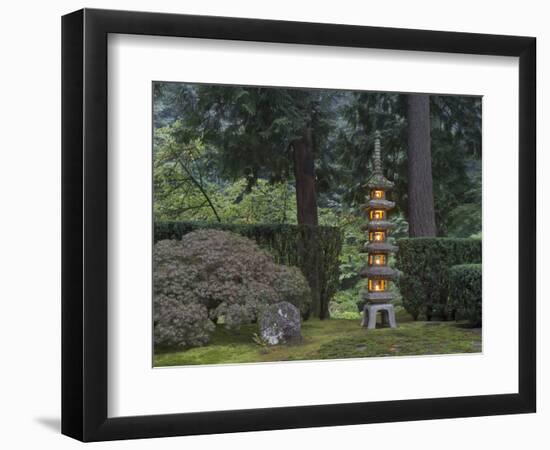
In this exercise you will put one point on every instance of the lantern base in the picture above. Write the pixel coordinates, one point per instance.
(371, 310)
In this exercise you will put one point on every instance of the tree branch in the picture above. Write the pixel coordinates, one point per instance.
(199, 186)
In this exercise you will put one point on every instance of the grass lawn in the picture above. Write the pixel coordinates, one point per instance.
(330, 339)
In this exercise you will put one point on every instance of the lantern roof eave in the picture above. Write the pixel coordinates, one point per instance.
(379, 181)
(378, 225)
(375, 203)
(380, 247)
(379, 272)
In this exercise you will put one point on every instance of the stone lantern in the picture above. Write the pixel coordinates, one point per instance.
(377, 271)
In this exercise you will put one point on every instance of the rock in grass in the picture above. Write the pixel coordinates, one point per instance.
(280, 324)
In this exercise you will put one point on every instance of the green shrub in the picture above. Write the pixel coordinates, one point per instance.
(216, 276)
(465, 292)
(344, 304)
(425, 263)
(314, 250)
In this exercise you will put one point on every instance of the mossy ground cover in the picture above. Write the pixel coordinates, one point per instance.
(330, 339)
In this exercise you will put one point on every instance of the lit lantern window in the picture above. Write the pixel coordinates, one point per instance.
(377, 193)
(377, 260)
(377, 285)
(377, 236)
(377, 214)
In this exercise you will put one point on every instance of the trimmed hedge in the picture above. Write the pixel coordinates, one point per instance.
(425, 264)
(313, 249)
(465, 292)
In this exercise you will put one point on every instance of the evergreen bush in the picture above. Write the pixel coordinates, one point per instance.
(425, 264)
(465, 292)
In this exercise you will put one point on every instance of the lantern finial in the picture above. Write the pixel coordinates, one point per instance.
(377, 179)
(377, 153)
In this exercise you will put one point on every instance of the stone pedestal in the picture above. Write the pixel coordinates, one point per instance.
(372, 309)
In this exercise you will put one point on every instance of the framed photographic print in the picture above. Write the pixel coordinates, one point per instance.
(273, 224)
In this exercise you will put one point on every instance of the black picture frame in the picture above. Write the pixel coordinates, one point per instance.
(84, 224)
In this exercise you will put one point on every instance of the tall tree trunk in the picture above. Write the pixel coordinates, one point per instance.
(306, 205)
(421, 199)
(304, 173)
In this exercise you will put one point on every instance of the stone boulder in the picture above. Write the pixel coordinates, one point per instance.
(280, 324)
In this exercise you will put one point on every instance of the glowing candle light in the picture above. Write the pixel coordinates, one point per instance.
(378, 260)
(377, 285)
(377, 214)
(377, 236)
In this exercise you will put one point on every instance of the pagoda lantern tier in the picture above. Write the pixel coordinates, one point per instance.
(377, 208)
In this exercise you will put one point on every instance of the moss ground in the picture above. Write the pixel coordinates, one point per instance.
(330, 339)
